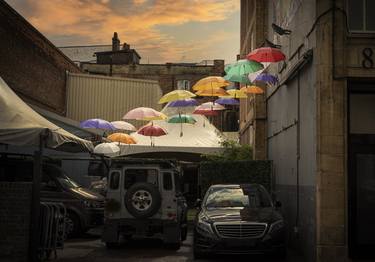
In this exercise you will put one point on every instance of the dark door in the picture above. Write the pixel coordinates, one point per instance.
(361, 170)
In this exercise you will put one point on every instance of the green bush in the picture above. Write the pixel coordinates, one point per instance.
(237, 171)
(232, 151)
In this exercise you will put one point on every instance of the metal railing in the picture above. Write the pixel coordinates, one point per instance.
(51, 228)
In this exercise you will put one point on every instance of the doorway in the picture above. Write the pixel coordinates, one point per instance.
(361, 169)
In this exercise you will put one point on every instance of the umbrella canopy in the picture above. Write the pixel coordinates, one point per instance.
(152, 130)
(252, 90)
(267, 78)
(244, 67)
(210, 82)
(176, 95)
(122, 138)
(227, 101)
(266, 54)
(206, 112)
(107, 149)
(183, 103)
(212, 92)
(210, 106)
(97, 123)
(243, 79)
(161, 116)
(235, 93)
(142, 113)
(182, 118)
(122, 125)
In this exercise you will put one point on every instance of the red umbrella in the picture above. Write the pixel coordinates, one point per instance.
(266, 54)
(151, 131)
(206, 112)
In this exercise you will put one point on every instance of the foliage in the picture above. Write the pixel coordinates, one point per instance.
(236, 171)
(232, 151)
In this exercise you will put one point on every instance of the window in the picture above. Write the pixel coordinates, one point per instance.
(167, 181)
(183, 85)
(133, 176)
(115, 180)
(177, 183)
(360, 15)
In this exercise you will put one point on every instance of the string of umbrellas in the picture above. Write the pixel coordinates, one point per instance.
(244, 77)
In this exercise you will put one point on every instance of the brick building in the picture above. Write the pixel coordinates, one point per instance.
(317, 125)
(30, 64)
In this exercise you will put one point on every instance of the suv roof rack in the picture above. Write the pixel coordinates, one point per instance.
(166, 163)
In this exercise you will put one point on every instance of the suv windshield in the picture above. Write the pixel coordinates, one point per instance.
(238, 197)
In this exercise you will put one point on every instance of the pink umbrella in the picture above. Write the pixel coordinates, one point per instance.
(122, 125)
(210, 106)
(141, 113)
(152, 131)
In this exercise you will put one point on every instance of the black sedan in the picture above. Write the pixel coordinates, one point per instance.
(238, 219)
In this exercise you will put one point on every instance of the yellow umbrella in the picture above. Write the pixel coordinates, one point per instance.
(235, 93)
(176, 95)
(122, 138)
(210, 82)
(212, 92)
(252, 90)
(160, 116)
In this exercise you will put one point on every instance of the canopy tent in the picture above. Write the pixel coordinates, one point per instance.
(200, 138)
(22, 126)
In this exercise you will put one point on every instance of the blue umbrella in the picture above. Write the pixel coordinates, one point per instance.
(227, 101)
(183, 103)
(267, 78)
(97, 123)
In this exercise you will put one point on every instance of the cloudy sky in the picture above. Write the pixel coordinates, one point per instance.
(161, 30)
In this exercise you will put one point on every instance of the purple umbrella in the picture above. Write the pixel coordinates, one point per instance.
(267, 78)
(183, 103)
(227, 101)
(97, 123)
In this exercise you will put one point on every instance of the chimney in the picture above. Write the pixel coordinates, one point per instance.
(126, 47)
(115, 42)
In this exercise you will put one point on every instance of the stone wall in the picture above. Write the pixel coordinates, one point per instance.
(30, 64)
(15, 211)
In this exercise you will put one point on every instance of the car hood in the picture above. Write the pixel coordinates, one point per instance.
(265, 215)
(87, 194)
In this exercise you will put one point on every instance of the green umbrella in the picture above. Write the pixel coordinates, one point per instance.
(243, 79)
(182, 119)
(244, 67)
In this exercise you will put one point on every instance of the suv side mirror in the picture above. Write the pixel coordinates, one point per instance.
(277, 204)
(198, 203)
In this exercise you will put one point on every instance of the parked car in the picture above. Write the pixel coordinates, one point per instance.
(144, 199)
(85, 209)
(238, 219)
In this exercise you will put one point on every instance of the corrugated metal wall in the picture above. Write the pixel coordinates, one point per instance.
(109, 98)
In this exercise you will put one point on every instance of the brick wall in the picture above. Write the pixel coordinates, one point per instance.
(30, 64)
(15, 205)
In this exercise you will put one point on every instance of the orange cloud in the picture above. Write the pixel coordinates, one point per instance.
(97, 20)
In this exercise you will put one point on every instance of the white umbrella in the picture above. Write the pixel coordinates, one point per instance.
(122, 125)
(109, 149)
(210, 106)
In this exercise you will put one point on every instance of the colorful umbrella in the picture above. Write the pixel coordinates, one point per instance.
(267, 78)
(152, 131)
(161, 116)
(183, 103)
(182, 119)
(142, 113)
(212, 92)
(122, 138)
(210, 82)
(266, 54)
(122, 125)
(109, 149)
(176, 95)
(206, 112)
(244, 67)
(243, 79)
(97, 123)
(227, 101)
(252, 90)
(235, 93)
(210, 106)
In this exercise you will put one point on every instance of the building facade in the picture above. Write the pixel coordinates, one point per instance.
(30, 64)
(319, 121)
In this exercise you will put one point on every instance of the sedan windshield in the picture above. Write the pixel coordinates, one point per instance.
(238, 197)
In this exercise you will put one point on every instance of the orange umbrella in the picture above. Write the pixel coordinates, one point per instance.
(210, 82)
(122, 138)
(252, 90)
(212, 92)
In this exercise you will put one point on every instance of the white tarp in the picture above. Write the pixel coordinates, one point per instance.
(202, 137)
(22, 126)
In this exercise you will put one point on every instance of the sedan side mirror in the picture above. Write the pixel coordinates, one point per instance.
(277, 204)
(198, 203)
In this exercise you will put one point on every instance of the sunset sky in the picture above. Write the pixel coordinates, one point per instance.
(160, 30)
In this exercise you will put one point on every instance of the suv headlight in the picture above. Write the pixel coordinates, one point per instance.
(276, 226)
(204, 227)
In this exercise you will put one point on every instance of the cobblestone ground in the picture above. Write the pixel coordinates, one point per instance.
(89, 248)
